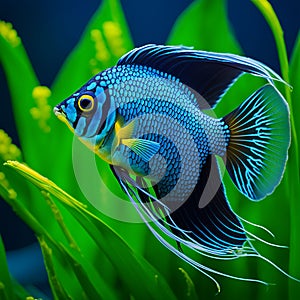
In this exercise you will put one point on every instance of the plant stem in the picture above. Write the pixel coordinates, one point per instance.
(292, 170)
(270, 16)
(267, 11)
(56, 287)
(59, 218)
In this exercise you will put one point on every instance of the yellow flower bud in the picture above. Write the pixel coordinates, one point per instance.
(41, 92)
(42, 112)
(102, 55)
(8, 151)
(9, 34)
(5, 184)
(113, 33)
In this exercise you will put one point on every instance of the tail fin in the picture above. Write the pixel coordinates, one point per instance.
(259, 140)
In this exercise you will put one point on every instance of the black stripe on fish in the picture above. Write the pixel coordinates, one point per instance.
(104, 115)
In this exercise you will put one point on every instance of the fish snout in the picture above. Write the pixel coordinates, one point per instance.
(58, 111)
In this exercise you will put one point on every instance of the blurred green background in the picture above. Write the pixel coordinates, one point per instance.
(50, 30)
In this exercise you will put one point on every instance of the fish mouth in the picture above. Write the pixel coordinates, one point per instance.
(59, 112)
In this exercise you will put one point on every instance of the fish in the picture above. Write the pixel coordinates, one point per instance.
(149, 117)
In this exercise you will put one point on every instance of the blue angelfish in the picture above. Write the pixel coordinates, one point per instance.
(147, 117)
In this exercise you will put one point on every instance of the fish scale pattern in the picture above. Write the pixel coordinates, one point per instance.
(165, 111)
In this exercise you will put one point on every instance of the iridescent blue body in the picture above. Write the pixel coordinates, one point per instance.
(147, 117)
(141, 94)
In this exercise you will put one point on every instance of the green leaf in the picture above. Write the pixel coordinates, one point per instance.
(61, 278)
(93, 285)
(86, 274)
(127, 264)
(295, 82)
(204, 25)
(21, 81)
(294, 178)
(271, 18)
(268, 12)
(9, 288)
(6, 286)
(57, 288)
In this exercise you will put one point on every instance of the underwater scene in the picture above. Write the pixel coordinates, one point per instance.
(149, 150)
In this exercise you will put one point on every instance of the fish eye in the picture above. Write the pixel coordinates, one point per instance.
(86, 103)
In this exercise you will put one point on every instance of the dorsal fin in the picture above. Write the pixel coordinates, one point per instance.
(208, 73)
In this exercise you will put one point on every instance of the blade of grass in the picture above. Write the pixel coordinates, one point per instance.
(85, 274)
(93, 285)
(128, 264)
(22, 80)
(294, 77)
(291, 178)
(57, 289)
(270, 16)
(22, 211)
(294, 287)
(59, 218)
(59, 254)
(6, 286)
(9, 288)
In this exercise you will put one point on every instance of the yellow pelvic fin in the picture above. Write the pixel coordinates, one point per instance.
(122, 132)
(124, 135)
(126, 131)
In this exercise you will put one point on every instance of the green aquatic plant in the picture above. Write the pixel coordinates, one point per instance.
(90, 256)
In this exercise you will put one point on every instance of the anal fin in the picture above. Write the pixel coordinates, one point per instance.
(215, 226)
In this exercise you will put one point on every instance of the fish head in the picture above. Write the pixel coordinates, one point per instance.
(89, 112)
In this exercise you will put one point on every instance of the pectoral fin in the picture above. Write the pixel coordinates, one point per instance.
(126, 131)
(144, 148)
